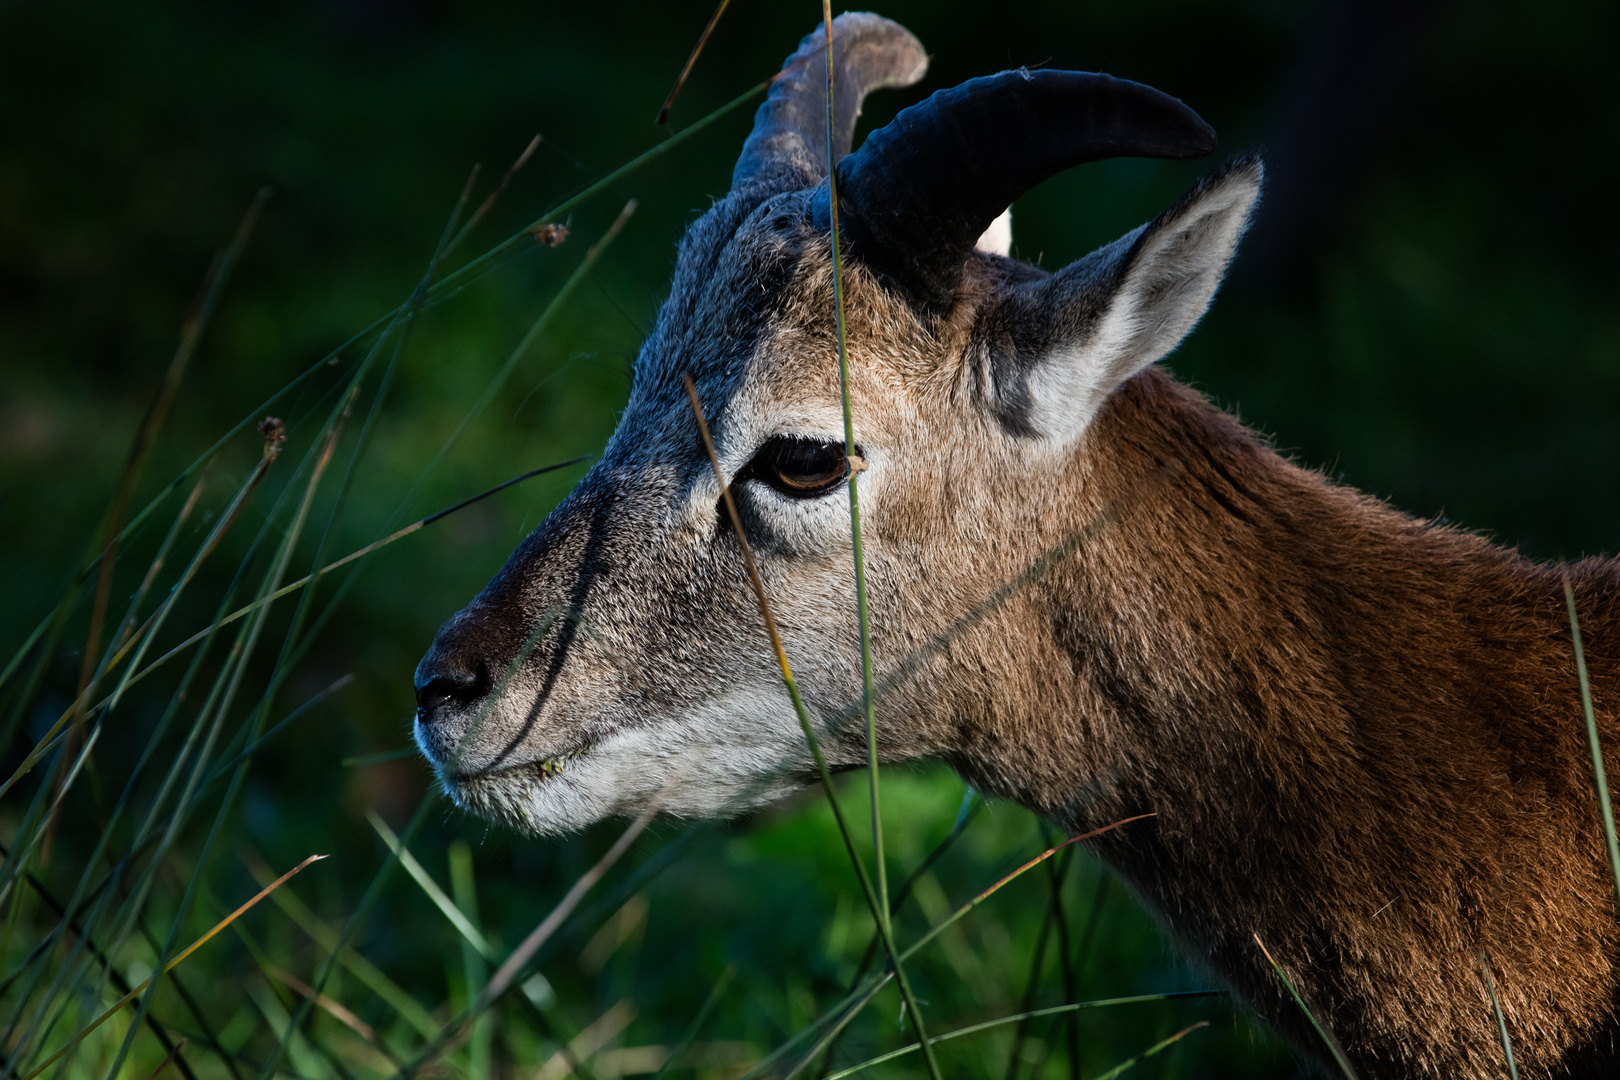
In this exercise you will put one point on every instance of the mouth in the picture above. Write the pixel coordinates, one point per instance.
(537, 769)
(507, 793)
(553, 766)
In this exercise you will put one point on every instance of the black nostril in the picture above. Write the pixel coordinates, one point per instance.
(450, 683)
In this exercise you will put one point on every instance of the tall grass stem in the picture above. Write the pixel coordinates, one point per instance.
(1326, 1036)
(862, 613)
(1501, 1021)
(1600, 778)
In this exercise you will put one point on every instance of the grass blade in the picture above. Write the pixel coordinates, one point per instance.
(877, 904)
(173, 1055)
(96, 953)
(971, 804)
(533, 334)
(1154, 1049)
(450, 285)
(691, 61)
(495, 194)
(1600, 778)
(1327, 1036)
(272, 450)
(440, 898)
(1501, 1021)
(474, 964)
(513, 964)
(862, 612)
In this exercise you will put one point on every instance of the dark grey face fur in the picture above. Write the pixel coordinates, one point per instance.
(619, 657)
(640, 660)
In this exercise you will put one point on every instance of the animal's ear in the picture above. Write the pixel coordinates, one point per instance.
(1058, 346)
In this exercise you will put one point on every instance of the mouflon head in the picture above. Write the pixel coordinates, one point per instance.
(619, 657)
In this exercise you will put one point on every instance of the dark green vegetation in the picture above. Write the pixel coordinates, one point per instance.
(1427, 308)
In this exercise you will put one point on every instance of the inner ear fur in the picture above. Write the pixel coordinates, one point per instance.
(1053, 349)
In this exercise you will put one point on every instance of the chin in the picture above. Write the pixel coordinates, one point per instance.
(628, 771)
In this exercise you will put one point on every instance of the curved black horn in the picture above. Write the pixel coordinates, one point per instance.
(921, 190)
(788, 146)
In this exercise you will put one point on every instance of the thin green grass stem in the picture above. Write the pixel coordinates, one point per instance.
(971, 804)
(613, 899)
(873, 901)
(1501, 1021)
(22, 650)
(880, 909)
(168, 965)
(226, 519)
(375, 545)
(868, 698)
(490, 200)
(1036, 1014)
(117, 979)
(253, 727)
(474, 960)
(524, 237)
(127, 626)
(215, 706)
(1162, 1044)
(1600, 778)
(209, 1039)
(440, 899)
(380, 878)
(151, 835)
(1326, 1036)
(191, 332)
(857, 999)
(1037, 963)
(224, 688)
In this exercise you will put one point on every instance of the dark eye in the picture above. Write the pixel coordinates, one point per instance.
(797, 467)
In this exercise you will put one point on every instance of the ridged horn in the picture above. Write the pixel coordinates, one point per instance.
(788, 146)
(921, 190)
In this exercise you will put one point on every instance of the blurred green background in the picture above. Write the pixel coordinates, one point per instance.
(1427, 308)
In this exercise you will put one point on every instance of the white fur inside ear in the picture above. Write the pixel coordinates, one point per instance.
(997, 239)
(1173, 274)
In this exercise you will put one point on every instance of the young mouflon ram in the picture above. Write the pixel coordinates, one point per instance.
(1092, 592)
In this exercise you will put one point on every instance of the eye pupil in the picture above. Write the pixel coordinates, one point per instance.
(799, 467)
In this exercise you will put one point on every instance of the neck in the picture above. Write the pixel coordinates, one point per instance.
(1360, 735)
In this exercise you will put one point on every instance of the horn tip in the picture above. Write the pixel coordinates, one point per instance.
(905, 59)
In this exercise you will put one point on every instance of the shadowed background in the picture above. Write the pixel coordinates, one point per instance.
(1426, 308)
